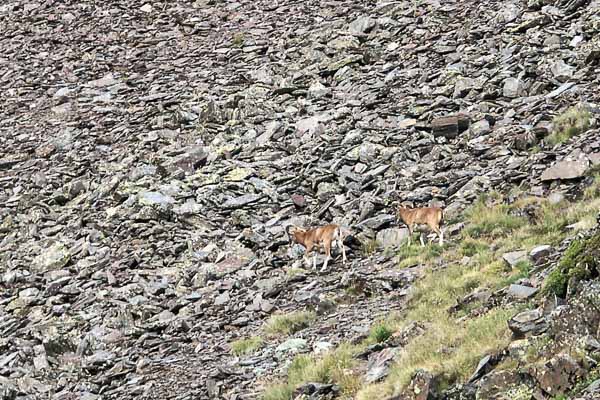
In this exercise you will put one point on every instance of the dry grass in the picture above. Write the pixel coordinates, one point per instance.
(246, 346)
(286, 324)
(572, 122)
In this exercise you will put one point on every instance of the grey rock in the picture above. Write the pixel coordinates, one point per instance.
(561, 70)
(593, 387)
(526, 323)
(480, 128)
(155, 199)
(222, 299)
(189, 161)
(52, 258)
(391, 237)
(539, 253)
(514, 257)
(513, 87)
(565, 170)
(362, 25)
(242, 201)
(379, 365)
(521, 292)
(294, 345)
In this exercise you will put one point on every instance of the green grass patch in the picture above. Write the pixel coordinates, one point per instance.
(380, 333)
(286, 324)
(491, 221)
(572, 122)
(246, 346)
(335, 367)
(415, 254)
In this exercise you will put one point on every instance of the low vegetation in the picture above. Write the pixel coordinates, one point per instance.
(246, 346)
(570, 123)
(238, 40)
(452, 343)
(580, 261)
(286, 324)
(336, 366)
(380, 333)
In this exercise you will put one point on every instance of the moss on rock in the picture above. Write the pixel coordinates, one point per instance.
(580, 262)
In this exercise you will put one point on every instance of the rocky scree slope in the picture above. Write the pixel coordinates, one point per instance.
(152, 153)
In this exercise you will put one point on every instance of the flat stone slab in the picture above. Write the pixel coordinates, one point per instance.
(565, 170)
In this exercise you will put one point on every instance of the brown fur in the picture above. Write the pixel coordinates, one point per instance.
(315, 238)
(432, 216)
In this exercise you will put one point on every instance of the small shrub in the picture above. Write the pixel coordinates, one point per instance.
(246, 346)
(289, 323)
(572, 122)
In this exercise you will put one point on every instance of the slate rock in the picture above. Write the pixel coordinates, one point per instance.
(379, 365)
(52, 258)
(526, 323)
(521, 292)
(392, 237)
(514, 257)
(539, 253)
(565, 170)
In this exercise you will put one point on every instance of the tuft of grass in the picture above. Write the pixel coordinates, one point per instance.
(380, 333)
(246, 346)
(335, 367)
(593, 191)
(279, 391)
(295, 271)
(286, 324)
(572, 122)
(369, 247)
(238, 39)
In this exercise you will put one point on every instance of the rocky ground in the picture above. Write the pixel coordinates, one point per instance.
(154, 152)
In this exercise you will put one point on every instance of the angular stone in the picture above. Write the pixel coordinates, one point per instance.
(194, 157)
(514, 257)
(379, 365)
(391, 237)
(558, 375)
(450, 127)
(539, 253)
(362, 25)
(565, 170)
(293, 345)
(513, 88)
(480, 128)
(561, 70)
(52, 258)
(521, 292)
(527, 323)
